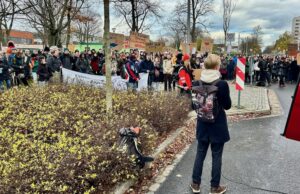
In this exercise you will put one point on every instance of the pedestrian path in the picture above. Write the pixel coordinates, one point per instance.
(257, 156)
(253, 100)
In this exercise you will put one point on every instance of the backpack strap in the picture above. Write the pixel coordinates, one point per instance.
(214, 83)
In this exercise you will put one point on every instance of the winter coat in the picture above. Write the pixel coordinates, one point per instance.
(44, 72)
(132, 72)
(54, 63)
(95, 63)
(217, 132)
(168, 67)
(66, 61)
(83, 65)
(18, 64)
(146, 65)
(4, 70)
(185, 78)
(27, 66)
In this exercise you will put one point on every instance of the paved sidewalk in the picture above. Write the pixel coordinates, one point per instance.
(253, 100)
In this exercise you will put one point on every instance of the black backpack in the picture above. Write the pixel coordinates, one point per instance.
(205, 101)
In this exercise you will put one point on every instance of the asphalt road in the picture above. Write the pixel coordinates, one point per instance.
(256, 155)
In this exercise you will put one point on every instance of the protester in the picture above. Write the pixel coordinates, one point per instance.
(82, 64)
(66, 59)
(4, 73)
(282, 68)
(19, 68)
(223, 68)
(46, 52)
(212, 134)
(95, 63)
(147, 66)
(133, 73)
(28, 65)
(230, 69)
(44, 72)
(35, 63)
(54, 64)
(157, 73)
(185, 76)
(168, 71)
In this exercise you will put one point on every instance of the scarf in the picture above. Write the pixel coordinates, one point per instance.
(210, 75)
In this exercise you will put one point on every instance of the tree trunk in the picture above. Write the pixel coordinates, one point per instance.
(133, 27)
(109, 89)
(193, 31)
(225, 41)
(69, 24)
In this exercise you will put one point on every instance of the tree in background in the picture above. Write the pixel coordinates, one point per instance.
(199, 10)
(253, 42)
(9, 9)
(87, 26)
(283, 41)
(137, 12)
(52, 17)
(106, 46)
(228, 8)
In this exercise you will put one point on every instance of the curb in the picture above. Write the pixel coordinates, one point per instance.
(275, 109)
(160, 179)
(123, 187)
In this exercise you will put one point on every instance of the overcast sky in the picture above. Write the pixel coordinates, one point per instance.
(274, 16)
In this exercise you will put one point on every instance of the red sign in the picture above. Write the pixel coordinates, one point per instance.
(292, 129)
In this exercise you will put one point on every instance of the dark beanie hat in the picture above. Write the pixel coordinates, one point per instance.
(46, 49)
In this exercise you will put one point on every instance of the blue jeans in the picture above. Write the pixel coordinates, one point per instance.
(8, 84)
(217, 152)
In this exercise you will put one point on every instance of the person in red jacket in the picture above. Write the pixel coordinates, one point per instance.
(185, 76)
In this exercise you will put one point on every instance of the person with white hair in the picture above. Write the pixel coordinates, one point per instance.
(54, 63)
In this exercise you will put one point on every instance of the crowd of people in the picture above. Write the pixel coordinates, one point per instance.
(264, 70)
(22, 67)
(173, 70)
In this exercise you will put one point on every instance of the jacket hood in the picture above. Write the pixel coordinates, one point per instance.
(210, 75)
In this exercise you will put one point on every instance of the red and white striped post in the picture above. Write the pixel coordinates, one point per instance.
(240, 77)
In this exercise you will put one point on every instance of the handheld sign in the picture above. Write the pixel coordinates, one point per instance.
(292, 128)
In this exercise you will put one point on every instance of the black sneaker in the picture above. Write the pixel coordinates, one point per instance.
(195, 188)
(218, 190)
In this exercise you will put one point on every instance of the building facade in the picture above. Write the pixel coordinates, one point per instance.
(296, 29)
(21, 37)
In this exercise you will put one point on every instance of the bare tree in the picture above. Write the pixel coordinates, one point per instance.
(9, 9)
(257, 34)
(87, 25)
(176, 32)
(228, 9)
(199, 10)
(106, 45)
(51, 16)
(137, 13)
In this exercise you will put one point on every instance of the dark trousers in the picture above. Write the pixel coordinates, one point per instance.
(281, 80)
(168, 82)
(217, 152)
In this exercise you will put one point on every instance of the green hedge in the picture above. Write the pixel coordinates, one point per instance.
(58, 139)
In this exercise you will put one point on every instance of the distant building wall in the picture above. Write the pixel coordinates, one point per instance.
(296, 29)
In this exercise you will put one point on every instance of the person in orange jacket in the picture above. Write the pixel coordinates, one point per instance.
(185, 76)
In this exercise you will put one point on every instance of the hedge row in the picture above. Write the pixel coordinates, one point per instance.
(58, 139)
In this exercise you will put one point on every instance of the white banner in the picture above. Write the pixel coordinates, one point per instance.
(70, 76)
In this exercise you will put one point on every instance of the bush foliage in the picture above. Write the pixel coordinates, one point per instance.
(58, 139)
